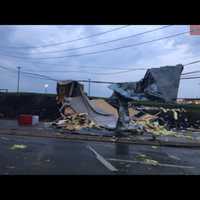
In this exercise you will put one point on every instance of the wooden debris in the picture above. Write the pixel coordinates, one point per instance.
(76, 121)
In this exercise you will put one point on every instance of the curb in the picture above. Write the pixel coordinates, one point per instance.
(72, 136)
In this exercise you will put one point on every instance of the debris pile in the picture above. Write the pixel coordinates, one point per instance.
(75, 121)
(149, 124)
(119, 112)
(171, 118)
(78, 111)
(159, 84)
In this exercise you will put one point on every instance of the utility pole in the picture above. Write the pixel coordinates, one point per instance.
(89, 87)
(19, 68)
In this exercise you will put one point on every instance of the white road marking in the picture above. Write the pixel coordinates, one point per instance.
(4, 138)
(173, 157)
(159, 164)
(102, 160)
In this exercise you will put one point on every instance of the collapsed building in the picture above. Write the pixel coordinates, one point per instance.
(119, 112)
(159, 84)
(72, 100)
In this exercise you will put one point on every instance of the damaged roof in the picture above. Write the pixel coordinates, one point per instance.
(158, 83)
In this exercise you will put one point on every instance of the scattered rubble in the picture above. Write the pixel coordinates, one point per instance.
(73, 100)
(152, 124)
(18, 146)
(157, 121)
(78, 112)
(76, 121)
(154, 147)
(159, 84)
(172, 118)
(147, 160)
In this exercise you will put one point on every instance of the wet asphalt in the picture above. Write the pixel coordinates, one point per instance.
(45, 156)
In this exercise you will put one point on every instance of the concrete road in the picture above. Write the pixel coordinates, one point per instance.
(58, 156)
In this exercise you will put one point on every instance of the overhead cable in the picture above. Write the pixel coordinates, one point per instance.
(191, 63)
(65, 42)
(101, 51)
(101, 43)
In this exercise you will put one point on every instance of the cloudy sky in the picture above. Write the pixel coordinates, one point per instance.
(50, 50)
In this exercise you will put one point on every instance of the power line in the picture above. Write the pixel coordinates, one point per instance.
(102, 51)
(44, 76)
(191, 63)
(77, 66)
(8, 69)
(196, 77)
(74, 71)
(31, 74)
(38, 77)
(103, 82)
(28, 73)
(50, 78)
(94, 67)
(68, 41)
(81, 66)
(125, 71)
(102, 43)
(192, 72)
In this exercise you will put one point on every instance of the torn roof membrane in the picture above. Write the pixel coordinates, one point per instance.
(158, 83)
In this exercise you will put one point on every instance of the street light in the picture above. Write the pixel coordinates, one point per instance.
(45, 87)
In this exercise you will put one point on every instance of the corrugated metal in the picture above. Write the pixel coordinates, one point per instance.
(158, 83)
